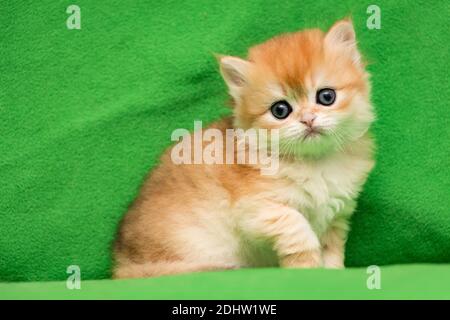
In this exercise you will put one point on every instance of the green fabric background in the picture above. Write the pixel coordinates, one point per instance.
(84, 114)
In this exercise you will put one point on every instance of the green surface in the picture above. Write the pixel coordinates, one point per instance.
(85, 113)
(397, 282)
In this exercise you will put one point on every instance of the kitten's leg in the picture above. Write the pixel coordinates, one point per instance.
(333, 243)
(293, 239)
(155, 269)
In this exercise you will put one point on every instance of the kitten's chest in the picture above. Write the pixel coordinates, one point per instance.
(321, 191)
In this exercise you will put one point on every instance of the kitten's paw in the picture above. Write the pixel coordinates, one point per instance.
(333, 262)
(305, 259)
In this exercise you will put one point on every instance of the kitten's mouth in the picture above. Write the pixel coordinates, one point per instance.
(311, 133)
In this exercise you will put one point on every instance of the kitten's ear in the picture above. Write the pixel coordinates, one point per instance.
(234, 71)
(342, 35)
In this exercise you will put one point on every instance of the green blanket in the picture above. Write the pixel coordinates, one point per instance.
(396, 282)
(84, 114)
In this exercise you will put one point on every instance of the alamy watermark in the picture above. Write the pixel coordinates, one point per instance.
(74, 19)
(74, 279)
(233, 146)
(374, 20)
(374, 279)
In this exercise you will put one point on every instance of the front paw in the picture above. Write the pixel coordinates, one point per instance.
(333, 261)
(304, 259)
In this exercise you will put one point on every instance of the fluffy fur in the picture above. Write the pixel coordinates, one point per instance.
(204, 217)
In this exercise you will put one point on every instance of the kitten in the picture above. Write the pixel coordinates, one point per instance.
(313, 87)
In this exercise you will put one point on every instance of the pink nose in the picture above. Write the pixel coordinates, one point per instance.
(308, 119)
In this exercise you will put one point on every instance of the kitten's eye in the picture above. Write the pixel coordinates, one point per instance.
(281, 109)
(326, 97)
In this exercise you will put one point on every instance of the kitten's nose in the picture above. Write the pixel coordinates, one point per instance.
(308, 119)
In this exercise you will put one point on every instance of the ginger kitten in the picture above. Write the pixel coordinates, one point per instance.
(313, 87)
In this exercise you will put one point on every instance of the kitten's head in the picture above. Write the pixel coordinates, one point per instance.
(311, 85)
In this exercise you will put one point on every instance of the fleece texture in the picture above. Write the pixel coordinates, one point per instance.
(395, 282)
(84, 114)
